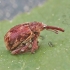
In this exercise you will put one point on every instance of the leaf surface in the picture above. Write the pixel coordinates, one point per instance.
(55, 13)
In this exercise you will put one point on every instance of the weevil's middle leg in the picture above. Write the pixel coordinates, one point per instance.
(25, 48)
(35, 43)
(34, 46)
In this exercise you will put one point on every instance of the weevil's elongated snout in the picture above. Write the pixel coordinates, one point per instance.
(53, 28)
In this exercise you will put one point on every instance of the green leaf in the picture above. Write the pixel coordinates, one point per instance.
(55, 13)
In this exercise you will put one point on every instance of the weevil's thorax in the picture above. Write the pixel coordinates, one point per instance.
(36, 26)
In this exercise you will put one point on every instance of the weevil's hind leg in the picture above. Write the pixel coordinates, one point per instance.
(21, 49)
(16, 51)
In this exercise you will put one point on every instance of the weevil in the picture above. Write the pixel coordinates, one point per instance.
(20, 37)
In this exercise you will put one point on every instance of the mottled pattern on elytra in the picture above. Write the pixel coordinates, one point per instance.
(16, 35)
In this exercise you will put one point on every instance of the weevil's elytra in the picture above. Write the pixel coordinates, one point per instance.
(20, 37)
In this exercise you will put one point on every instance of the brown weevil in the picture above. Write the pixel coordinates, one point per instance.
(20, 37)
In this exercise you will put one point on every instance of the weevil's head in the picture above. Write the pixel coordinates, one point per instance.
(36, 26)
